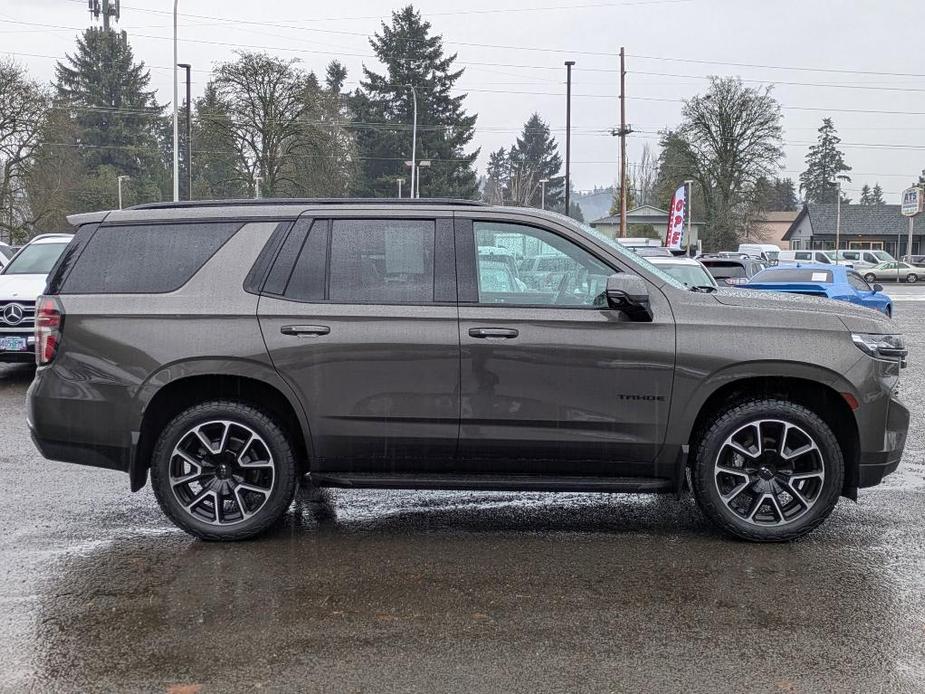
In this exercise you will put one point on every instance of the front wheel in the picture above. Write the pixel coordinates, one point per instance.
(768, 471)
(912, 278)
(871, 278)
(223, 471)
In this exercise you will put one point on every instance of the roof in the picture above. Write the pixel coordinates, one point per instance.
(640, 212)
(51, 238)
(856, 220)
(778, 216)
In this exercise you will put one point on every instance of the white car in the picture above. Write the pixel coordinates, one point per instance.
(687, 270)
(764, 251)
(21, 282)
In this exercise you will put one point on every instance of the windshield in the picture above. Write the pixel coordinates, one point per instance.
(882, 256)
(620, 250)
(723, 271)
(690, 275)
(36, 259)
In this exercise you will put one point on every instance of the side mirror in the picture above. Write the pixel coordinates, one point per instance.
(629, 294)
(877, 288)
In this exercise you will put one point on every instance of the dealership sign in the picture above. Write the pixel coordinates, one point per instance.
(674, 237)
(913, 201)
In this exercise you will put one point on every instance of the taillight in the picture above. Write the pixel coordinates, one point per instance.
(48, 319)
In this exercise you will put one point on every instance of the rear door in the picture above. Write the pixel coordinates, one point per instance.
(552, 380)
(359, 315)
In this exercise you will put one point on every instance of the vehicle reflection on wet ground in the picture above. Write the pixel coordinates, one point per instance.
(425, 591)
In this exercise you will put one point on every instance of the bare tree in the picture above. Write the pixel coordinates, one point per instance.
(729, 139)
(23, 107)
(644, 176)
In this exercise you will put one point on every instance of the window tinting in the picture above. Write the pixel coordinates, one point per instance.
(307, 280)
(36, 259)
(858, 282)
(721, 270)
(145, 258)
(382, 261)
(522, 265)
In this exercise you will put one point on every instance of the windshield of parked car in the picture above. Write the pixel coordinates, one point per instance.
(882, 256)
(793, 275)
(620, 250)
(690, 275)
(35, 259)
(725, 270)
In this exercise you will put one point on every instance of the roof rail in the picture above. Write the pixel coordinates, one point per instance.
(253, 202)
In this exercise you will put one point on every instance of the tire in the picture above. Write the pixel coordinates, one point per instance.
(815, 476)
(870, 278)
(912, 278)
(246, 478)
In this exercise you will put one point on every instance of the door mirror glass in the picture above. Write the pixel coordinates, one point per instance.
(877, 288)
(629, 294)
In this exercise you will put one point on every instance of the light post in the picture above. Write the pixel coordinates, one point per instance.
(119, 185)
(414, 138)
(257, 181)
(837, 218)
(425, 164)
(176, 126)
(189, 132)
(568, 135)
(400, 181)
(543, 182)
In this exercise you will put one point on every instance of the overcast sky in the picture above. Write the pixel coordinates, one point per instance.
(850, 60)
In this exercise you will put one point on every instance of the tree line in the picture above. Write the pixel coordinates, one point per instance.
(266, 125)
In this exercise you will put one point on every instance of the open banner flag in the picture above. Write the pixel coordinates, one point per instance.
(677, 213)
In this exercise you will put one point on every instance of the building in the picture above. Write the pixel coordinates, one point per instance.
(875, 227)
(771, 228)
(642, 216)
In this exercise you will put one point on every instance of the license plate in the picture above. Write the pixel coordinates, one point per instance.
(12, 344)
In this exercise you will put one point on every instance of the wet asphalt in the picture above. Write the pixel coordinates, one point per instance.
(458, 592)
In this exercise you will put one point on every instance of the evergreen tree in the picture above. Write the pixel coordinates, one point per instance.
(499, 175)
(876, 195)
(824, 164)
(533, 158)
(413, 56)
(865, 195)
(117, 116)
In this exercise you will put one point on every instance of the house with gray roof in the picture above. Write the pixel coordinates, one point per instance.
(644, 215)
(872, 227)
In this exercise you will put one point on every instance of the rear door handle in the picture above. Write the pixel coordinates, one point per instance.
(488, 333)
(305, 330)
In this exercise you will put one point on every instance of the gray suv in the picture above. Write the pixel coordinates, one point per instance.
(231, 349)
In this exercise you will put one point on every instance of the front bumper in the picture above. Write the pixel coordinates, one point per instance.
(873, 466)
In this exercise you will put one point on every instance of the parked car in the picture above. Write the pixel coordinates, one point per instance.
(827, 281)
(21, 281)
(690, 272)
(763, 251)
(863, 259)
(732, 271)
(809, 256)
(917, 260)
(231, 348)
(653, 252)
(545, 271)
(898, 272)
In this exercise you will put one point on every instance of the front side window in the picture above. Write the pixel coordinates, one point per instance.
(36, 259)
(857, 282)
(382, 261)
(552, 271)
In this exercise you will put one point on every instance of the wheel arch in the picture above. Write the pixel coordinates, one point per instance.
(821, 396)
(180, 386)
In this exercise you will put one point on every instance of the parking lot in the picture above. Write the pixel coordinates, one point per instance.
(417, 591)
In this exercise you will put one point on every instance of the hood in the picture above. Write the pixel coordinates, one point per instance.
(22, 287)
(855, 318)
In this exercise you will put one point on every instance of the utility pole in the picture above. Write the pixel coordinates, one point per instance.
(622, 133)
(568, 134)
(189, 132)
(838, 221)
(400, 181)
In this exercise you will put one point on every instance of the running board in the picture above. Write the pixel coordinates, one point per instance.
(506, 483)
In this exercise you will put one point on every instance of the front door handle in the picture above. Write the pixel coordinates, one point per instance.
(305, 330)
(488, 333)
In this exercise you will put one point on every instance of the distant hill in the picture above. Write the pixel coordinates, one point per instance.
(594, 204)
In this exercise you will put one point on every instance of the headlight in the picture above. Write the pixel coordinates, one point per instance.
(889, 347)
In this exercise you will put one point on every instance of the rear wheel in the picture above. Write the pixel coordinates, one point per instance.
(223, 471)
(768, 471)
(870, 277)
(912, 278)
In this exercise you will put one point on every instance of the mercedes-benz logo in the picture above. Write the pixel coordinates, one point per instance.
(13, 314)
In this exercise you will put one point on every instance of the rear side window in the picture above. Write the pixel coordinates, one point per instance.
(723, 271)
(145, 259)
(382, 261)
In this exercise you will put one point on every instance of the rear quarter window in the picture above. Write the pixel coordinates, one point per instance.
(145, 259)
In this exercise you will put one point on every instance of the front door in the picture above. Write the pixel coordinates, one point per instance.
(359, 315)
(552, 380)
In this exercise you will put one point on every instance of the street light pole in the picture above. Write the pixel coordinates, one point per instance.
(400, 181)
(414, 137)
(189, 132)
(838, 221)
(257, 181)
(176, 126)
(543, 182)
(119, 184)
